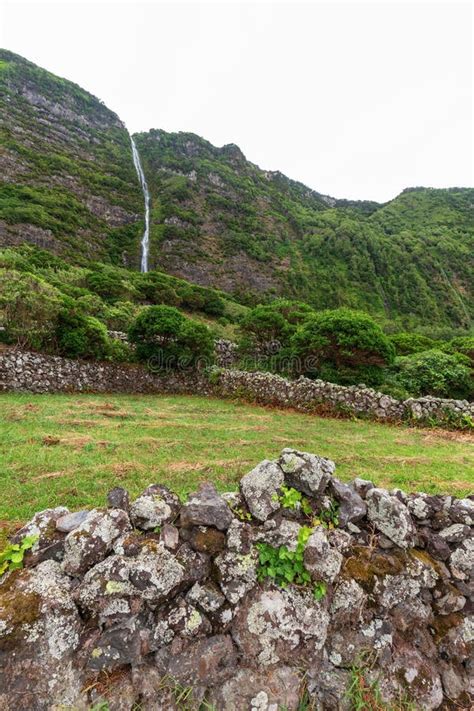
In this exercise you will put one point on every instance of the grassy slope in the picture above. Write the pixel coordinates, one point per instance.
(70, 450)
(217, 218)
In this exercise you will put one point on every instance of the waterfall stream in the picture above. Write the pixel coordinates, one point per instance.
(146, 234)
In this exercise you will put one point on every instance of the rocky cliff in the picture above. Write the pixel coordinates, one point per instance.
(68, 183)
(298, 591)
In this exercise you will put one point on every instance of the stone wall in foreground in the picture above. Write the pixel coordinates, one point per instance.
(158, 605)
(34, 372)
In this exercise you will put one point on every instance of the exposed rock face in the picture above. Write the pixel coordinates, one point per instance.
(155, 611)
(32, 372)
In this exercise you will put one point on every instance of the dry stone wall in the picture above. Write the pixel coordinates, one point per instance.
(34, 372)
(157, 604)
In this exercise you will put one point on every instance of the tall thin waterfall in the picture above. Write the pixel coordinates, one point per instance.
(146, 194)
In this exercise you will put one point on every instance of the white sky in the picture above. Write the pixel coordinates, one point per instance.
(356, 100)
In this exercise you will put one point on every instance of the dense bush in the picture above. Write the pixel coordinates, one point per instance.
(408, 343)
(435, 373)
(463, 345)
(28, 309)
(264, 327)
(343, 346)
(80, 336)
(166, 338)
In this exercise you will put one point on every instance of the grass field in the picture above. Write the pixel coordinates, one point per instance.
(71, 449)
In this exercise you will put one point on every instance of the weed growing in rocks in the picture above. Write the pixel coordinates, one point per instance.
(284, 566)
(12, 556)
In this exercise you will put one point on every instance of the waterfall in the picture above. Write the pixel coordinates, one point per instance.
(146, 235)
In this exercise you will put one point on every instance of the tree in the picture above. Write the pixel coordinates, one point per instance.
(168, 339)
(343, 345)
(29, 307)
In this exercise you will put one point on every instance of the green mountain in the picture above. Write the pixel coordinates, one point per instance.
(218, 219)
(68, 184)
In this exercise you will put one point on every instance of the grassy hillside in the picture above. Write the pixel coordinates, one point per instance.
(67, 180)
(71, 449)
(218, 219)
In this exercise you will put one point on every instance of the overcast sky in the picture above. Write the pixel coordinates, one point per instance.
(356, 100)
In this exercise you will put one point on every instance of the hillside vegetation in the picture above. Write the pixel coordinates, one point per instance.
(219, 219)
(67, 180)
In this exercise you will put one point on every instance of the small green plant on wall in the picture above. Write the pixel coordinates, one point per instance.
(284, 566)
(290, 498)
(11, 558)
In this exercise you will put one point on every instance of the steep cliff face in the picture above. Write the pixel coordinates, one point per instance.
(67, 178)
(219, 220)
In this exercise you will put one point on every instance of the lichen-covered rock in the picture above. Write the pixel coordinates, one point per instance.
(120, 645)
(462, 560)
(278, 625)
(284, 533)
(169, 535)
(237, 574)
(416, 677)
(39, 635)
(320, 559)
(390, 516)
(329, 688)
(156, 573)
(462, 511)
(93, 539)
(156, 506)
(253, 690)
(206, 508)
(50, 543)
(348, 601)
(106, 593)
(118, 498)
(455, 533)
(179, 618)
(70, 521)
(352, 507)
(306, 472)
(201, 662)
(206, 596)
(260, 489)
(196, 565)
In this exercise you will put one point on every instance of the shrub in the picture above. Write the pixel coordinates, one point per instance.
(408, 343)
(153, 289)
(166, 337)
(263, 326)
(463, 345)
(28, 309)
(343, 345)
(80, 336)
(435, 373)
(106, 283)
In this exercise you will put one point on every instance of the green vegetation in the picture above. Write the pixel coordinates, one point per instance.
(291, 498)
(49, 305)
(406, 262)
(11, 558)
(284, 566)
(71, 449)
(68, 171)
(343, 346)
(163, 336)
(436, 373)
